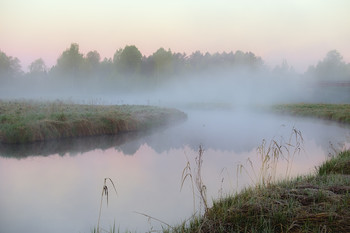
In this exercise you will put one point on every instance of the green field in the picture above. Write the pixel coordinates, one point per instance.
(22, 122)
(334, 112)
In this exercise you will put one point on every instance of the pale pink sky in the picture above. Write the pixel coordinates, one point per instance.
(300, 31)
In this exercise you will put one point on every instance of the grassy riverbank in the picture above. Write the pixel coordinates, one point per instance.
(314, 203)
(334, 112)
(22, 122)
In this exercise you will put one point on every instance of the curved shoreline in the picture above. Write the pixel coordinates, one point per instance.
(334, 112)
(25, 122)
(309, 203)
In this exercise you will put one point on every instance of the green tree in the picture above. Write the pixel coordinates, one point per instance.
(116, 56)
(71, 61)
(92, 61)
(331, 68)
(163, 62)
(130, 60)
(196, 61)
(37, 67)
(9, 66)
(284, 69)
(106, 67)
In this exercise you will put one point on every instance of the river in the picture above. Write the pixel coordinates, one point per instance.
(56, 186)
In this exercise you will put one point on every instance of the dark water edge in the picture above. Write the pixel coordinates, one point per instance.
(128, 143)
(226, 131)
(66, 145)
(74, 145)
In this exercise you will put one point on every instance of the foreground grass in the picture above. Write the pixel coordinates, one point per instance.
(334, 112)
(22, 122)
(314, 203)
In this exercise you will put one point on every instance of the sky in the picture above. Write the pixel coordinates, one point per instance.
(298, 31)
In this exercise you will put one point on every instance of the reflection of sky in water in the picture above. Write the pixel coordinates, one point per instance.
(62, 193)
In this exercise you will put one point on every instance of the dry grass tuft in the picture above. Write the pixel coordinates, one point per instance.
(196, 179)
(104, 193)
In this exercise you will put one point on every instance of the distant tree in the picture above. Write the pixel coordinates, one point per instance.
(239, 57)
(106, 67)
(163, 61)
(9, 66)
(180, 63)
(71, 61)
(92, 62)
(93, 57)
(334, 57)
(331, 68)
(37, 67)
(199, 62)
(196, 61)
(147, 66)
(248, 61)
(130, 60)
(116, 56)
(283, 69)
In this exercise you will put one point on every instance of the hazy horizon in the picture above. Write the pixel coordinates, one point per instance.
(25, 67)
(296, 31)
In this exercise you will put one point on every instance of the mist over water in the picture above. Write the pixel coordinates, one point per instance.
(167, 78)
(224, 64)
(229, 90)
(55, 186)
(64, 186)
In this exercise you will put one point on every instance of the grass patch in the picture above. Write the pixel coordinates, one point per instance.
(313, 203)
(335, 112)
(22, 122)
(336, 165)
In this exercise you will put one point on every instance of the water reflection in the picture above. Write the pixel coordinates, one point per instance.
(236, 131)
(72, 146)
(58, 192)
(62, 193)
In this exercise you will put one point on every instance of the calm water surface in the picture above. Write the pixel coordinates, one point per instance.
(56, 187)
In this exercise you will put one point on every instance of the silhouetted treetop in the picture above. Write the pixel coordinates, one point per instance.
(9, 66)
(331, 68)
(130, 59)
(37, 67)
(93, 58)
(71, 61)
(163, 64)
(163, 61)
(92, 62)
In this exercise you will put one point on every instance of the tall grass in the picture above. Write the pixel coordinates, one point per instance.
(270, 155)
(105, 193)
(196, 179)
(312, 203)
(339, 164)
(319, 203)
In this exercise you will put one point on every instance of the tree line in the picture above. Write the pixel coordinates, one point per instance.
(129, 63)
